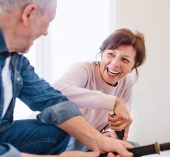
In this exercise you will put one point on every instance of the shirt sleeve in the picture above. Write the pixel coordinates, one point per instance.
(73, 83)
(39, 95)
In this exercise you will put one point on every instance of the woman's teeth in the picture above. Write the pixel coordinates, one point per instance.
(113, 73)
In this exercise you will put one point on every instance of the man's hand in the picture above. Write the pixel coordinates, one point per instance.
(93, 139)
(72, 154)
(66, 154)
(122, 119)
(108, 144)
(80, 154)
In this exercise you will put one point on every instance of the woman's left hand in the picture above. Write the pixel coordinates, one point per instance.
(122, 120)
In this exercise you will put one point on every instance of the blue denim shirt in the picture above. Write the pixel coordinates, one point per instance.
(35, 92)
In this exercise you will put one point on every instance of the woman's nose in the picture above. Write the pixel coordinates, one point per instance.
(116, 62)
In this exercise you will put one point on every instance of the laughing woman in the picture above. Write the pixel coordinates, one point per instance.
(101, 88)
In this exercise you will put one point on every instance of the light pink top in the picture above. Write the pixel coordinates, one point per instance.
(82, 84)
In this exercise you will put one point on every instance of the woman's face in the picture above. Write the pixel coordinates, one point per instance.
(115, 64)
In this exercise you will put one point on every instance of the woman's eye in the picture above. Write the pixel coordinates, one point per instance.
(111, 54)
(125, 60)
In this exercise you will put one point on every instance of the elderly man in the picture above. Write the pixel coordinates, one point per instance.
(21, 22)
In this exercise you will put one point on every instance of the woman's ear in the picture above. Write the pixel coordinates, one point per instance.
(29, 13)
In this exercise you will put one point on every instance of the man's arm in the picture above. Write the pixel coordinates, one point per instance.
(90, 137)
(7, 150)
(66, 154)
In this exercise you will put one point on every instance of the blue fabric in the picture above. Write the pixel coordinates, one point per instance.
(74, 144)
(7, 150)
(36, 93)
(35, 138)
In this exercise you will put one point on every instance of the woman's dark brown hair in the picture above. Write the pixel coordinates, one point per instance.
(127, 37)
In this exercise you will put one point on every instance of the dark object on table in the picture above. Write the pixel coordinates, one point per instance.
(147, 150)
(119, 134)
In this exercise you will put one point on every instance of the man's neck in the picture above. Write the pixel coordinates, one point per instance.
(9, 28)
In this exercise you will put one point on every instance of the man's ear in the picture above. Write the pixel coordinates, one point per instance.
(28, 13)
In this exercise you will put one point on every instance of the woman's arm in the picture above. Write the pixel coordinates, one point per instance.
(78, 84)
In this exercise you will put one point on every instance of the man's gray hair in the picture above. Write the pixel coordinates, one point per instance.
(6, 6)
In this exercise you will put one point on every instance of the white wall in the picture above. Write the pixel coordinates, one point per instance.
(78, 31)
(151, 106)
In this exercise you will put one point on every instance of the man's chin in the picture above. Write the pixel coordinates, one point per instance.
(28, 48)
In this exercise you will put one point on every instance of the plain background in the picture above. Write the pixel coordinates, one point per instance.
(151, 105)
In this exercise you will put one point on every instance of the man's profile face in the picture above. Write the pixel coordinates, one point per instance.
(39, 27)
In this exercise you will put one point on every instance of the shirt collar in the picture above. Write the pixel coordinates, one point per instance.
(3, 46)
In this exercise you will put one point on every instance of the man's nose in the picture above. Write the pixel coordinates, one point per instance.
(46, 32)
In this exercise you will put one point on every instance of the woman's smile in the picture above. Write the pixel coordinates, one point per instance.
(112, 72)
